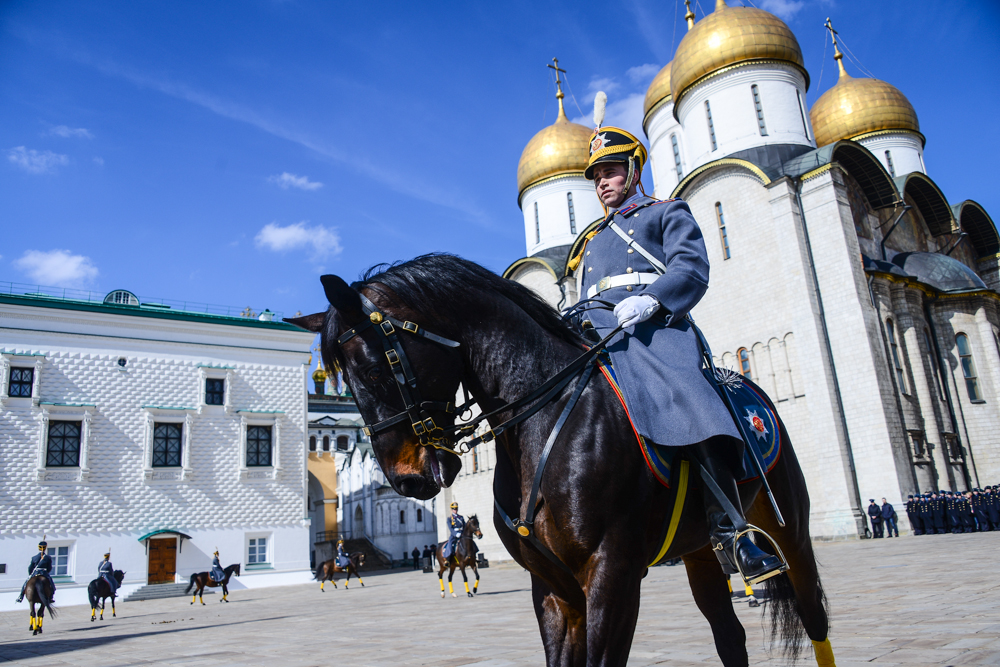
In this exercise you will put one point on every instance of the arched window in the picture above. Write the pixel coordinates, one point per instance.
(326, 443)
(744, 356)
(420, 515)
(342, 443)
(759, 109)
(802, 114)
(711, 125)
(722, 230)
(402, 516)
(475, 460)
(572, 213)
(968, 367)
(312, 443)
(677, 156)
(888, 163)
(894, 350)
(538, 227)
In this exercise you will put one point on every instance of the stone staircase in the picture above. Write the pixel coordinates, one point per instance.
(160, 591)
(375, 559)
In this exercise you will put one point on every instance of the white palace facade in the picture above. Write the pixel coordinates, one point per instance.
(844, 281)
(160, 433)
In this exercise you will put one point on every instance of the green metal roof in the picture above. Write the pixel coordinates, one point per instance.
(164, 531)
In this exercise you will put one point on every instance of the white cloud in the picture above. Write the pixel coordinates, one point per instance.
(57, 267)
(783, 9)
(67, 132)
(36, 162)
(99, 161)
(323, 241)
(286, 180)
(642, 75)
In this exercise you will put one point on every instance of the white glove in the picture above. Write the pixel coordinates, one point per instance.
(636, 309)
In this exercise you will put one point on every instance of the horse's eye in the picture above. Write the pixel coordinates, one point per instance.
(374, 374)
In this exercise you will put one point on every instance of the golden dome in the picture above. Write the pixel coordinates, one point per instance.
(561, 148)
(728, 36)
(319, 375)
(658, 91)
(858, 106)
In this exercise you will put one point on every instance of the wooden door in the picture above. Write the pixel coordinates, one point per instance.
(162, 561)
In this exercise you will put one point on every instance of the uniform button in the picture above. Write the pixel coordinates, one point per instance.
(589, 269)
(588, 253)
(628, 270)
(628, 288)
(630, 251)
(631, 232)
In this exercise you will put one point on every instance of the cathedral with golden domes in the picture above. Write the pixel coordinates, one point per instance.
(843, 280)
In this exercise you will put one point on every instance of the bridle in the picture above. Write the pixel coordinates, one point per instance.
(417, 412)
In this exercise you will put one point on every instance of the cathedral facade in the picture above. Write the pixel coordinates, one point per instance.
(844, 282)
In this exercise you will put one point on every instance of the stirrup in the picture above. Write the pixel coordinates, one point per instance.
(767, 575)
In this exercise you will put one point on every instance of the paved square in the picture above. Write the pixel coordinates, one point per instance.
(911, 601)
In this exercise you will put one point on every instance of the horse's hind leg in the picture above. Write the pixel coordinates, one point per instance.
(103, 602)
(114, 614)
(466, 580)
(441, 580)
(711, 594)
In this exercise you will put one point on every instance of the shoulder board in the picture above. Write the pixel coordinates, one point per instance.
(662, 201)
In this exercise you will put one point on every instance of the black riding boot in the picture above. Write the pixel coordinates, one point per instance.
(736, 555)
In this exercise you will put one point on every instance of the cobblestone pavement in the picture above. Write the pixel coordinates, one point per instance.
(909, 601)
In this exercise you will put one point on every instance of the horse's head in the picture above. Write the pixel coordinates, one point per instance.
(360, 558)
(234, 569)
(401, 377)
(119, 576)
(473, 526)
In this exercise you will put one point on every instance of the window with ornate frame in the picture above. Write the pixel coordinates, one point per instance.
(759, 109)
(168, 444)
(215, 391)
(21, 381)
(711, 125)
(723, 236)
(258, 445)
(63, 449)
(968, 367)
(677, 156)
(572, 213)
(889, 164)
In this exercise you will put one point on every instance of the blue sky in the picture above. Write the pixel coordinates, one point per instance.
(232, 152)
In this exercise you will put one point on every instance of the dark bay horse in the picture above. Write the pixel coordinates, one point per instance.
(464, 556)
(601, 512)
(199, 580)
(328, 568)
(39, 591)
(98, 591)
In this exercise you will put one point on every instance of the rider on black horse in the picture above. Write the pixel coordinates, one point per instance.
(456, 524)
(216, 574)
(648, 257)
(106, 571)
(342, 559)
(41, 564)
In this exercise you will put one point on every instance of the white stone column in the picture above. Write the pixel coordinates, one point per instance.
(989, 369)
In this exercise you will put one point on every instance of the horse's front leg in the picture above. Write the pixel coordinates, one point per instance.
(475, 586)
(451, 588)
(709, 585)
(104, 601)
(225, 592)
(466, 580)
(612, 590)
(563, 628)
(114, 614)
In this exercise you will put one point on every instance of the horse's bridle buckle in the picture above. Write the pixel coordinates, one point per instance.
(412, 327)
(392, 356)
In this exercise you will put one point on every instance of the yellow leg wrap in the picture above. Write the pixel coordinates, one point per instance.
(93, 612)
(441, 581)
(824, 653)
(467, 587)
(748, 591)
(32, 623)
(201, 599)
(194, 598)
(40, 619)
(475, 586)
(361, 581)
(729, 582)
(451, 589)
(321, 585)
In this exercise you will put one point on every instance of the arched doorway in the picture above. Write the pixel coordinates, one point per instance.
(359, 522)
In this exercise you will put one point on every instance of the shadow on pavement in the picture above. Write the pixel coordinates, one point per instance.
(515, 590)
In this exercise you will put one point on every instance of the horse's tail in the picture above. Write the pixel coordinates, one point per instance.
(191, 583)
(319, 570)
(44, 599)
(92, 593)
(786, 623)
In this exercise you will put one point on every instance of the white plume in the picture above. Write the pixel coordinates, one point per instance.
(600, 103)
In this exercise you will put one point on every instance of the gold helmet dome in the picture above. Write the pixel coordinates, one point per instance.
(730, 36)
(658, 93)
(856, 107)
(559, 149)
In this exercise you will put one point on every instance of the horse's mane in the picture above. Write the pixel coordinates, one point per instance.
(452, 288)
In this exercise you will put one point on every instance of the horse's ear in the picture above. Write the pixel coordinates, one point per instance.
(340, 295)
(312, 322)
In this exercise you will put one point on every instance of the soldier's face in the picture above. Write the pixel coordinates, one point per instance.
(609, 180)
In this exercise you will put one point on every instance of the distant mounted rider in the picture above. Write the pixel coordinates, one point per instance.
(456, 524)
(41, 564)
(106, 571)
(342, 558)
(217, 573)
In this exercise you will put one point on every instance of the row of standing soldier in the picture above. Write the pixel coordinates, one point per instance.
(939, 513)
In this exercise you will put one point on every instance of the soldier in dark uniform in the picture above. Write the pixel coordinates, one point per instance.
(927, 514)
(342, 559)
(875, 513)
(648, 257)
(951, 510)
(993, 507)
(106, 571)
(889, 519)
(911, 514)
(978, 509)
(968, 514)
(456, 523)
(216, 573)
(939, 508)
(41, 564)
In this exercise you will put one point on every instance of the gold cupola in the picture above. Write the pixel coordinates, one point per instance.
(658, 93)
(560, 149)
(319, 377)
(730, 37)
(855, 108)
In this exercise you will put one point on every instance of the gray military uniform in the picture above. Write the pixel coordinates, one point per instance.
(658, 362)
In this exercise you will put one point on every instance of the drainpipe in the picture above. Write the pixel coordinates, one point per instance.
(947, 393)
(861, 518)
(899, 219)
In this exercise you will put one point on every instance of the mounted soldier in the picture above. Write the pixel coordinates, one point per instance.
(342, 559)
(106, 571)
(217, 573)
(648, 257)
(456, 523)
(40, 565)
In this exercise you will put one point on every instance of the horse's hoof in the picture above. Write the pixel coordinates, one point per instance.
(192, 603)
(454, 595)
(470, 595)
(442, 595)
(202, 604)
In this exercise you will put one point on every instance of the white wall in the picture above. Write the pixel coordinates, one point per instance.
(906, 148)
(553, 211)
(661, 126)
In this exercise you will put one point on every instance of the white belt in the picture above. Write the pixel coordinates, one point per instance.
(608, 282)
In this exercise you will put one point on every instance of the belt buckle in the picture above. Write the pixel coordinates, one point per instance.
(604, 284)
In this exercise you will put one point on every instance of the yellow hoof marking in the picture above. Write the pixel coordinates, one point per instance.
(824, 653)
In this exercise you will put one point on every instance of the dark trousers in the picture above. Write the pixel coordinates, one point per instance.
(890, 527)
(877, 527)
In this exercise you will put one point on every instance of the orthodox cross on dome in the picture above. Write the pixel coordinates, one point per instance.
(689, 17)
(559, 92)
(837, 55)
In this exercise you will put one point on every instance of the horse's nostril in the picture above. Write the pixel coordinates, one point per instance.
(410, 485)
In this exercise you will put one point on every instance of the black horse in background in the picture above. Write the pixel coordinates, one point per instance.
(38, 591)
(464, 556)
(98, 591)
(601, 511)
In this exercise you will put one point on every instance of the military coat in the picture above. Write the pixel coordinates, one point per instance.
(658, 362)
(106, 571)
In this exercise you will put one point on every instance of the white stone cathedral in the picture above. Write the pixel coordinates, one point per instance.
(843, 280)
